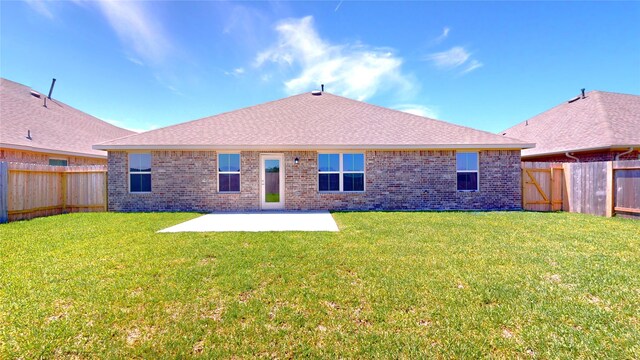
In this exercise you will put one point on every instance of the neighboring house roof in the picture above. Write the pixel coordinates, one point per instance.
(600, 120)
(57, 128)
(308, 121)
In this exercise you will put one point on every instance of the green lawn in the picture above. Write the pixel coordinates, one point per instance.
(272, 197)
(407, 285)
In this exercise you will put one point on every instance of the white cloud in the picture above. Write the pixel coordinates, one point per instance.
(473, 64)
(417, 109)
(451, 58)
(353, 70)
(443, 36)
(41, 7)
(454, 58)
(135, 60)
(235, 72)
(137, 29)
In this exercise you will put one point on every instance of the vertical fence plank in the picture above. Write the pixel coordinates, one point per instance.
(597, 188)
(42, 190)
(4, 192)
(627, 188)
(610, 194)
(105, 193)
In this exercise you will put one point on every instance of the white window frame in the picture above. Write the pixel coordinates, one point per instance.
(239, 172)
(477, 171)
(341, 171)
(129, 172)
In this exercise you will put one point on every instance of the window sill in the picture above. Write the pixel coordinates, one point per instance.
(341, 192)
(468, 191)
(228, 192)
(140, 192)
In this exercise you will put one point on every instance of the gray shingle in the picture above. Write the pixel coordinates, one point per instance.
(309, 121)
(600, 120)
(57, 127)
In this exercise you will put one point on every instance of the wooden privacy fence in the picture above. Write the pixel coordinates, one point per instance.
(542, 186)
(600, 188)
(29, 190)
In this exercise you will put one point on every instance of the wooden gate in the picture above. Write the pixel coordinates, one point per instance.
(542, 187)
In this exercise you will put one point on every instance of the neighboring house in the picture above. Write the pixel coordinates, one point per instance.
(598, 126)
(314, 151)
(55, 134)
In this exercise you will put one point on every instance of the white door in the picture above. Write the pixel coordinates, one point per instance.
(272, 181)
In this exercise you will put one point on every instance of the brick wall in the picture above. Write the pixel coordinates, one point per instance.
(33, 157)
(407, 180)
(587, 156)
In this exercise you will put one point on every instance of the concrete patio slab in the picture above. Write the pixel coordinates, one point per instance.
(258, 221)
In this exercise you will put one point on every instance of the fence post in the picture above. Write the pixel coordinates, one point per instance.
(63, 185)
(105, 196)
(568, 182)
(609, 199)
(522, 189)
(4, 192)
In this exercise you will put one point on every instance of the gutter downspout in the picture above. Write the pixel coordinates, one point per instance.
(624, 153)
(571, 157)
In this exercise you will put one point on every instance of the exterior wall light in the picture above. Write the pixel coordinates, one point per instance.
(296, 161)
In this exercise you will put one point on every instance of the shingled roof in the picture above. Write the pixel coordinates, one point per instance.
(57, 128)
(309, 121)
(601, 120)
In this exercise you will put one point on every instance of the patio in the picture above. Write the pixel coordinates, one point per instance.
(258, 222)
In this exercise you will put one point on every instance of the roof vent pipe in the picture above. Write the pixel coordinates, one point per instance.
(322, 87)
(624, 153)
(572, 157)
(53, 83)
(29, 135)
(582, 92)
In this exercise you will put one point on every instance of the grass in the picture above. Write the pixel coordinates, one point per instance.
(272, 197)
(408, 285)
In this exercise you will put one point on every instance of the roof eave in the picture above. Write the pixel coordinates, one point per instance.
(557, 152)
(315, 147)
(51, 151)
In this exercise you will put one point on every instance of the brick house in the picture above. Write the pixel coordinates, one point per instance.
(597, 126)
(55, 134)
(313, 151)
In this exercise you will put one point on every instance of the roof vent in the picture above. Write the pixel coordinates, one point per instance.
(583, 96)
(53, 83)
(574, 99)
(316, 93)
(36, 94)
(29, 135)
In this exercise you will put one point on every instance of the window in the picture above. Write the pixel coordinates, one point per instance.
(329, 172)
(140, 173)
(228, 172)
(467, 169)
(341, 172)
(58, 162)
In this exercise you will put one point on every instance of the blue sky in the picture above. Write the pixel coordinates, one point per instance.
(487, 65)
